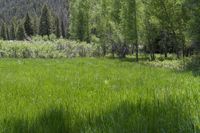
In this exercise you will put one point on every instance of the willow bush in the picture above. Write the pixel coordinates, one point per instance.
(45, 49)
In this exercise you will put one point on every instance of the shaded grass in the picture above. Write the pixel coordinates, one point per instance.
(125, 118)
(54, 120)
(96, 95)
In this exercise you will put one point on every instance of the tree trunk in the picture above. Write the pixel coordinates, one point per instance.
(137, 52)
(136, 32)
(165, 51)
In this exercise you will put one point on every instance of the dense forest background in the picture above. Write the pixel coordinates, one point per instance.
(19, 8)
(118, 27)
(16, 10)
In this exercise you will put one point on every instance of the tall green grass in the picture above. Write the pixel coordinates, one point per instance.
(96, 96)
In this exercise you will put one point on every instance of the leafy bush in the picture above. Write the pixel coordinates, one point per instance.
(37, 38)
(52, 37)
(161, 58)
(42, 48)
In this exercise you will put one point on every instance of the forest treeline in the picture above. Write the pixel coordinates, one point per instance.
(10, 9)
(118, 27)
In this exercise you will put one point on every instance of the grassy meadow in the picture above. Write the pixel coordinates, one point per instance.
(89, 95)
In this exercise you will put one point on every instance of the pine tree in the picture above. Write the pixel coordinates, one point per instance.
(21, 32)
(3, 32)
(83, 21)
(12, 32)
(45, 24)
(57, 30)
(35, 25)
(79, 20)
(80, 33)
(28, 25)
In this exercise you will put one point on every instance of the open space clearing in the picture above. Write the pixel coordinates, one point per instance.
(96, 96)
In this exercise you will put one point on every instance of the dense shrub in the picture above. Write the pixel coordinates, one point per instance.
(42, 48)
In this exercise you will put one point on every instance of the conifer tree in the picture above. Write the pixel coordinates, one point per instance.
(3, 32)
(35, 25)
(83, 21)
(57, 26)
(12, 32)
(21, 32)
(80, 31)
(28, 25)
(45, 24)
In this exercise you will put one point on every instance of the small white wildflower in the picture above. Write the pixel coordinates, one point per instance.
(106, 82)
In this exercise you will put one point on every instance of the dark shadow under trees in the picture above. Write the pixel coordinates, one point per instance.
(194, 66)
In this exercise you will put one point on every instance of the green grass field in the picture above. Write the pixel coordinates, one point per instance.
(96, 96)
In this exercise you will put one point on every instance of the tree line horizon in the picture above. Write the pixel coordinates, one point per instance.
(119, 26)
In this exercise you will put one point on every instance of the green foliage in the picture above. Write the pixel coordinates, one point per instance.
(28, 26)
(36, 26)
(58, 30)
(3, 31)
(21, 35)
(13, 32)
(19, 8)
(194, 65)
(96, 95)
(165, 26)
(42, 47)
(79, 26)
(45, 24)
(52, 37)
(161, 62)
(113, 22)
(122, 26)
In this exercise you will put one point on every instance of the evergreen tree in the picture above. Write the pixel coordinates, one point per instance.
(79, 26)
(3, 32)
(12, 32)
(80, 32)
(83, 21)
(57, 26)
(35, 25)
(45, 23)
(53, 20)
(28, 25)
(21, 32)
